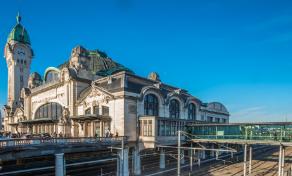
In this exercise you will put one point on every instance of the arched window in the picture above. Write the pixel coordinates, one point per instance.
(192, 111)
(151, 105)
(49, 110)
(52, 76)
(174, 109)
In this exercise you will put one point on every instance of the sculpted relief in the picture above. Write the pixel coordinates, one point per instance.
(65, 75)
(95, 97)
(65, 116)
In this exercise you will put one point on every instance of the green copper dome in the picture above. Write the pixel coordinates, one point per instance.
(19, 33)
(98, 63)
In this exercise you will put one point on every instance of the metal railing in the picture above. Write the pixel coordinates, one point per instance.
(55, 141)
(243, 137)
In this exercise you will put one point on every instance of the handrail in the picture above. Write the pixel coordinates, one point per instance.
(244, 137)
(72, 140)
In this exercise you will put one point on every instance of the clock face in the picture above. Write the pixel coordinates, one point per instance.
(20, 53)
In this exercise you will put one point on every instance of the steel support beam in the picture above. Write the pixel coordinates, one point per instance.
(283, 161)
(280, 161)
(191, 159)
(182, 161)
(162, 159)
(178, 153)
(59, 164)
(137, 161)
(244, 159)
(123, 162)
(250, 160)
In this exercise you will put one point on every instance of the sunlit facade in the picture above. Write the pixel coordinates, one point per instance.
(92, 95)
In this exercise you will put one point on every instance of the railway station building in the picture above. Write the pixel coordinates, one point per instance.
(92, 95)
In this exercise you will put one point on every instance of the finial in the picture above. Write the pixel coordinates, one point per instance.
(18, 18)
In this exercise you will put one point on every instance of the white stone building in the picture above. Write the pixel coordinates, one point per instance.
(92, 95)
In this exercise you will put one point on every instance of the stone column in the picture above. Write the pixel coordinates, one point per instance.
(72, 129)
(93, 128)
(102, 129)
(60, 129)
(59, 165)
(190, 155)
(123, 162)
(55, 128)
(81, 129)
(137, 161)
(162, 159)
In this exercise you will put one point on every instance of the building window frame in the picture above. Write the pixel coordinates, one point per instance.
(174, 109)
(192, 111)
(151, 105)
(87, 111)
(49, 110)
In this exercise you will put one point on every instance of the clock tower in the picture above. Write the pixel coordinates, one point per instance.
(18, 55)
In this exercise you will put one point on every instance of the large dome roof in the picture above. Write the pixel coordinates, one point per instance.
(19, 33)
(98, 63)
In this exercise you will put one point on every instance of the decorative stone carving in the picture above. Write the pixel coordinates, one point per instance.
(94, 93)
(65, 75)
(84, 104)
(34, 80)
(105, 99)
(158, 85)
(94, 103)
(109, 80)
(65, 116)
(25, 92)
(154, 76)
(177, 91)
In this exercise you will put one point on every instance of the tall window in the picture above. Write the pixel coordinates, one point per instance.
(105, 110)
(49, 110)
(145, 131)
(96, 110)
(151, 105)
(192, 111)
(210, 119)
(174, 109)
(150, 128)
(87, 111)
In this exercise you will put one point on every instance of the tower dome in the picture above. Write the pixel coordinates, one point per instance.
(19, 33)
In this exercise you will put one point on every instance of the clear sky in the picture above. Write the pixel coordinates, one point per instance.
(236, 52)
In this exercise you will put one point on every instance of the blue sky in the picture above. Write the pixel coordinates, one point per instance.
(236, 52)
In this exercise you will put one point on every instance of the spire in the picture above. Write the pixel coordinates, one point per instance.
(19, 33)
(18, 18)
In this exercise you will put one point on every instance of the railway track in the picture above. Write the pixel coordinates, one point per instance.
(260, 167)
(150, 163)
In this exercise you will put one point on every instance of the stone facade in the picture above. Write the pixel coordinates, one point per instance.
(92, 95)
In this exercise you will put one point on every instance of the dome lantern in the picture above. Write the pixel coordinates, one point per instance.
(19, 33)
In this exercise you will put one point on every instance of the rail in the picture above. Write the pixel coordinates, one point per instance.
(60, 141)
(243, 137)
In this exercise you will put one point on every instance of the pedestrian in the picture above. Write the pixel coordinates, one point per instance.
(60, 135)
